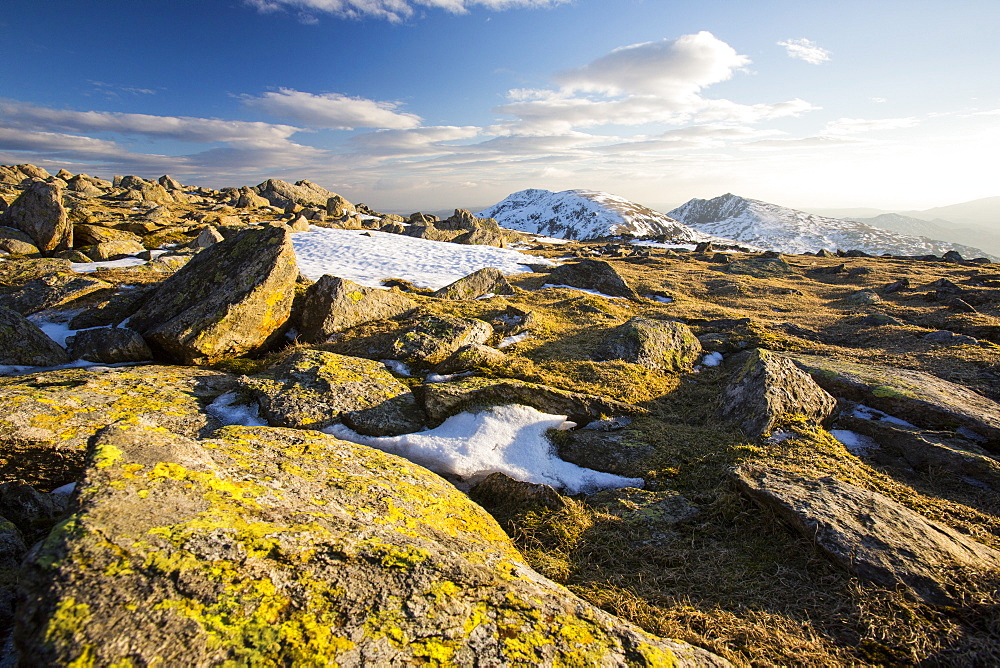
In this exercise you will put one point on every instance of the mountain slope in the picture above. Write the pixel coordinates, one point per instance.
(983, 212)
(585, 214)
(790, 231)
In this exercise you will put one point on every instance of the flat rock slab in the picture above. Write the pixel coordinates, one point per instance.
(442, 400)
(49, 417)
(919, 398)
(312, 389)
(873, 536)
(267, 546)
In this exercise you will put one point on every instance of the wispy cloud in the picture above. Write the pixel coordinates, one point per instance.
(114, 91)
(332, 110)
(805, 49)
(390, 10)
(851, 126)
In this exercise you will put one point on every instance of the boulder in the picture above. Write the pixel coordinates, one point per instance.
(90, 235)
(169, 183)
(283, 194)
(442, 400)
(431, 232)
(16, 242)
(917, 397)
(482, 237)
(248, 199)
(208, 237)
(49, 291)
(114, 308)
(608, 451)
(595, 275)
(109, 345)
(333, 304)
(311, 389)
(31, 511)
(485, 281)
(113, 250)
(39, 213)
(655, 344)
(767, 389)
(149, 192)
(338, 207)
(231, 299)
(23, 343)
(872, 536)
(471, 357)
(505, 497)
(309, 551)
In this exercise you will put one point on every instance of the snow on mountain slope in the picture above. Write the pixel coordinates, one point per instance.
(790, 231)
(585, 214)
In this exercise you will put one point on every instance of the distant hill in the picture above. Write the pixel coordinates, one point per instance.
(791, 231)
(585, 214)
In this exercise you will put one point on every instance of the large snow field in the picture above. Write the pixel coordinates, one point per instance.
(508, 439)
(369, 258)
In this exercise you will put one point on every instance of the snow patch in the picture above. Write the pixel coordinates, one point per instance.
(88, 267)
(868, 413)
(229, 411)
(712, 359)
(589, 292)
(511, 340)
(508, 439)
(369, 257)
(854, 442)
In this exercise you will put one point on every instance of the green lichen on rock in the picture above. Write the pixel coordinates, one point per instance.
(657, 344)
(267, 546)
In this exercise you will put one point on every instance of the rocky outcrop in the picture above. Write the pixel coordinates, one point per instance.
(770, 388)
(16, 242)
(311, 389)
(873, 536)
(486, 281)
(442, 400)
(23, 343)
(39, 213)
(608, 451)
(50, 290)
(112, 250)
(471, 357)
(230, 299)
(328, 549)
(283, 194)
(656, 344)
(595, 275)
(89, 235)
(333, 304)
(917, 397)
(424, 340)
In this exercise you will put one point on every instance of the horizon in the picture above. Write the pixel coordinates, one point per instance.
(442, 104)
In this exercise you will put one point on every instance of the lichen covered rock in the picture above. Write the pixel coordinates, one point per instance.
(39, 213)
(769, 388)
(266, 546)
(485, 281)
(109, 345)
(595, 275)
(311, 389)
(656, 344)
(23, 343)
(333, 304)
(231, 299)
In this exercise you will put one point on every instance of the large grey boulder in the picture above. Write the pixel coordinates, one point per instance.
(312, 389)
(874, 537)
(485, 281)
(270, 546)
(596, 275)
(656, 344)
(228, 300)
(767, 389)
(23, 343)
(333, 304)
(39, 213)
(283, 194)
(917, 397)
(109, 345)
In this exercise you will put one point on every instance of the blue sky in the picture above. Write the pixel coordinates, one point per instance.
(434, 104)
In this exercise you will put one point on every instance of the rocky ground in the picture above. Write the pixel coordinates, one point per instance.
(816, 438)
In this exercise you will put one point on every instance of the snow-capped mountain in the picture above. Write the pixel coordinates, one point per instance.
(787, 230)
(585, 214)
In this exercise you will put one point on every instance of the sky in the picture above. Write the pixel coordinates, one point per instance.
(431, 105)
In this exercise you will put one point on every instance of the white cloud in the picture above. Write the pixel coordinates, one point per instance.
(390, 10)
(416, 141)
(805, 49)
(670, 68)
(332, 110)
(850, 126)
(653, 82)
(181, 128)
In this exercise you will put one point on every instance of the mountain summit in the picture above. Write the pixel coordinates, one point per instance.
(585, 214)
(787, 230)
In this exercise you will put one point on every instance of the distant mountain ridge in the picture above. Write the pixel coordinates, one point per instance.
(791, 231)
(585, 214)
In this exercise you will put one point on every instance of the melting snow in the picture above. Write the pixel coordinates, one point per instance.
(227, 409)
(87, 267)
(589, 292)
(854, 442)
(508, 439)
(368, 260)
(712, 359)
(511, 340)
(868, 413)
